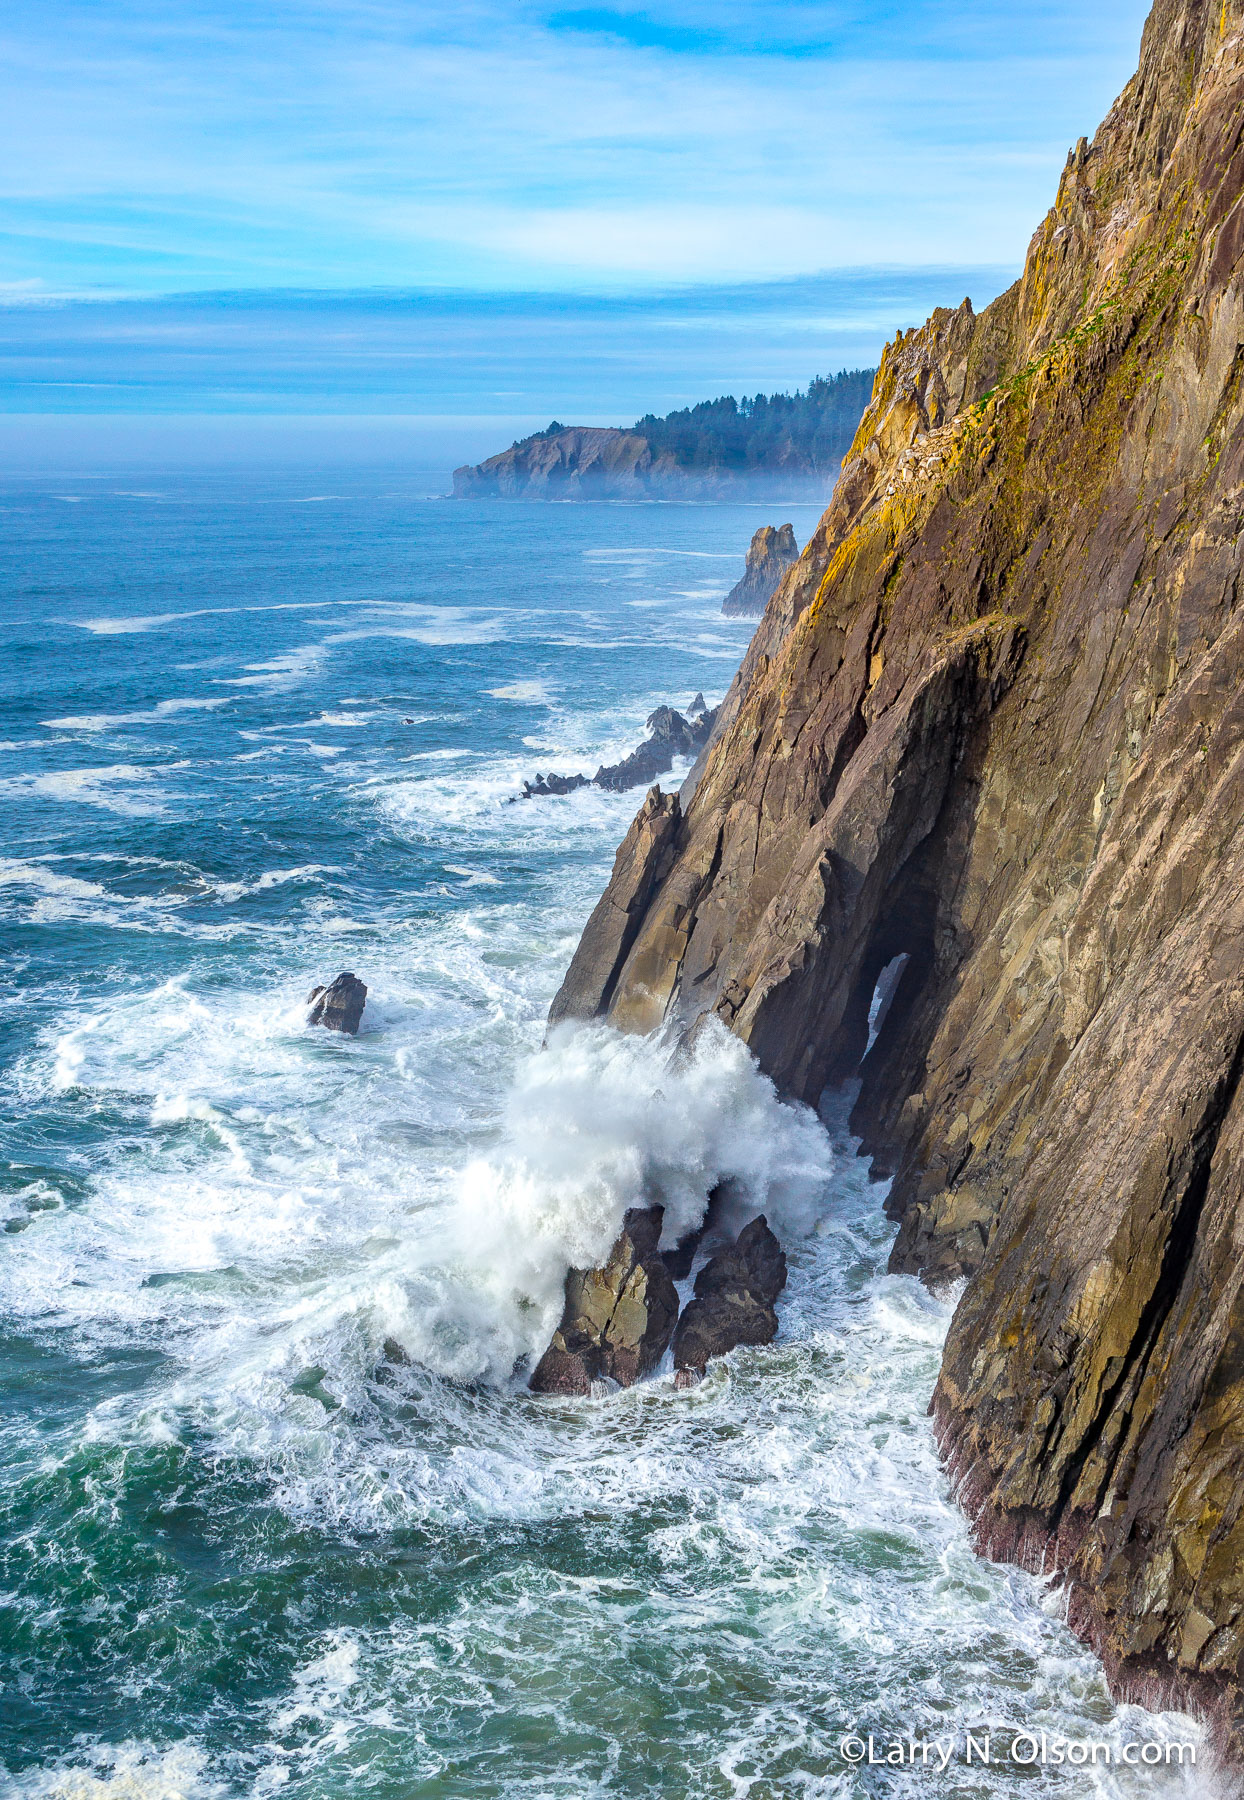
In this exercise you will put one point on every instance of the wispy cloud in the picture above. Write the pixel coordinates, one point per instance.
(168, 144)
(453, 354)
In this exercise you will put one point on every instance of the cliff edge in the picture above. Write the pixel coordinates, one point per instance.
(992, 723)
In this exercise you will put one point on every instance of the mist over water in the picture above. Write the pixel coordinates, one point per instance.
(255, 734)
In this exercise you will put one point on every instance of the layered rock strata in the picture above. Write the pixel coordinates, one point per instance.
(993, 721)
(771, 552)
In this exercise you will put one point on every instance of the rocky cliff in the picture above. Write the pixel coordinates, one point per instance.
(993, 723)
(576, 462)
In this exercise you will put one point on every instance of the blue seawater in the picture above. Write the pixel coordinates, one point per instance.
(278, 1514)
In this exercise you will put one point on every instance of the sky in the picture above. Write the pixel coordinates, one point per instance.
(501, 209)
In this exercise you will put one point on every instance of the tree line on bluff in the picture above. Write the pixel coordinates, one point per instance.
(809, 429)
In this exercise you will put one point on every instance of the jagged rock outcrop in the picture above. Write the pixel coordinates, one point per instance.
(771, 552)
(993, 719)
(546, 785)
(338, 1007)
(735, 1299)
(669, 735)
(618, 1319)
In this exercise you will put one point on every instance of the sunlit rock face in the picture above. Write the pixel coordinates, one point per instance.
(992, 720)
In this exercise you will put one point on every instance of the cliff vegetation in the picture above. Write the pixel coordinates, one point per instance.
(793, 443)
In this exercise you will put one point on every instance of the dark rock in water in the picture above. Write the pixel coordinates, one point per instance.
(773, 550)
(671, 735)
(713, 1326)
(544, 785)
(757, 1256)
(338, 1007)
(617, 1319)
(734, 1300)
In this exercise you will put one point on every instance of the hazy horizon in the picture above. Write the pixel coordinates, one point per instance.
(391, 231)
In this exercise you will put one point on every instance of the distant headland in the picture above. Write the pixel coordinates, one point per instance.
(787, 445)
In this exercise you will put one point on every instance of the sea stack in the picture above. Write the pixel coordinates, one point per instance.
(994, 721)
(772, 551)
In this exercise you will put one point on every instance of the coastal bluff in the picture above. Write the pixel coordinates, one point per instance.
(992, 723)
(780, 446)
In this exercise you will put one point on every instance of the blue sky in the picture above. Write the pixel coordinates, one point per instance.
(644, 157)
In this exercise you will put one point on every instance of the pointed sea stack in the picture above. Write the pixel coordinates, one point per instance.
(772, 551)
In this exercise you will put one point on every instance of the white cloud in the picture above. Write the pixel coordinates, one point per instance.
(154, 144)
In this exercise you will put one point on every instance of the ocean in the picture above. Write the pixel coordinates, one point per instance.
(278, 1512)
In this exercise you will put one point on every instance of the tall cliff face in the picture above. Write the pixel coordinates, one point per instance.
(993, 721)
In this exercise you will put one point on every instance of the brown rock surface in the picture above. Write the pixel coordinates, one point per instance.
(994, 718)
(772, 551)
(734, 1300)
(618, 1319)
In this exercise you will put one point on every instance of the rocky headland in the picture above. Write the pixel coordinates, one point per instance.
(788, 445)
(771, 552)
(992, 721)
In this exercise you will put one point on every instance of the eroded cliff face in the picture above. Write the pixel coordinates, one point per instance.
(993, 721)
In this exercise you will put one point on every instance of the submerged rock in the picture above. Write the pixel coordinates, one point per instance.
(772, 551)
(735, 1295)
(338, 1007)
(618, 1319)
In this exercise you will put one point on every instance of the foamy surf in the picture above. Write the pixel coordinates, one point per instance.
(247, 1548)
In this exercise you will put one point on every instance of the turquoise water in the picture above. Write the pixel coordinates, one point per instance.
(254, 734)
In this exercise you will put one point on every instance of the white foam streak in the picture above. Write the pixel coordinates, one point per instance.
(104, 787)
(154, 715)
